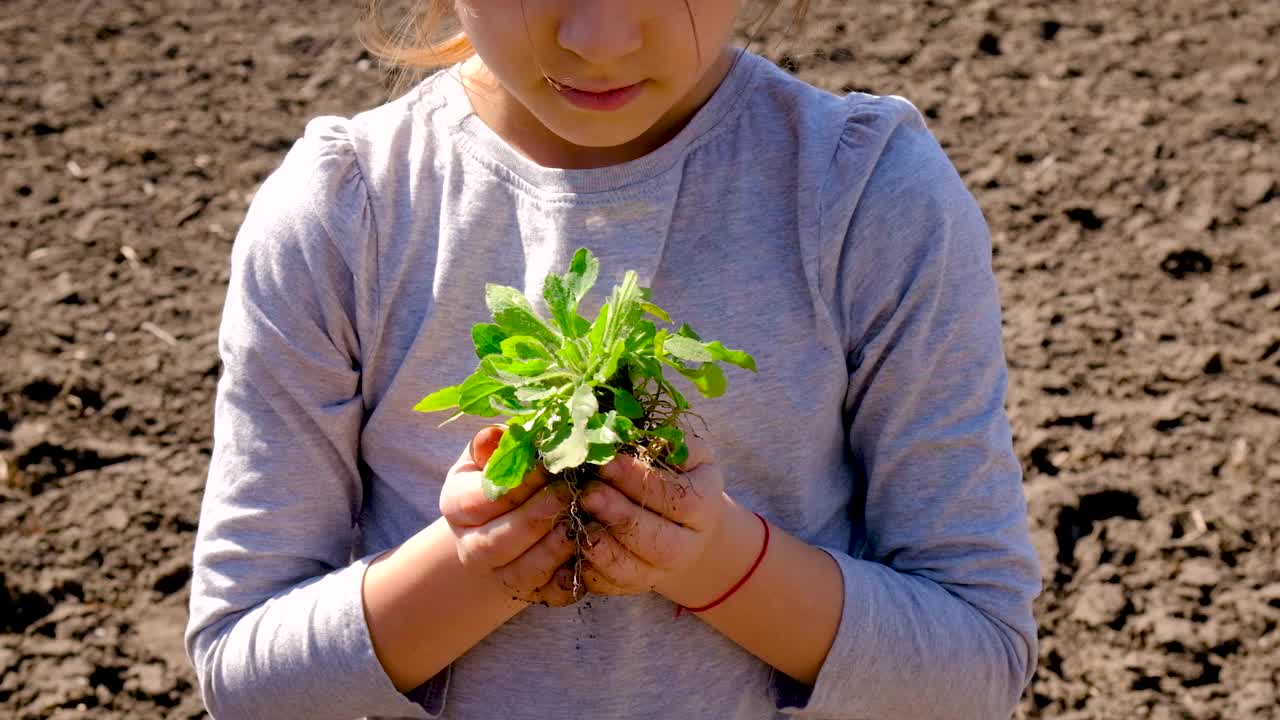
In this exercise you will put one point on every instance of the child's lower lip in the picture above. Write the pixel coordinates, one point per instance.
(606, 101)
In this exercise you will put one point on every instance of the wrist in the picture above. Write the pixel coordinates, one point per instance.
(421, 591)
(731, 552)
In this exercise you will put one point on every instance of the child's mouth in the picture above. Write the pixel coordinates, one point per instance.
(606, 101)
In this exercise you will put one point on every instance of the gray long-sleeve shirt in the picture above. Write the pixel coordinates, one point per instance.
(828, 236)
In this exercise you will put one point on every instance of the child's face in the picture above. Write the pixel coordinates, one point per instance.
(647, 47)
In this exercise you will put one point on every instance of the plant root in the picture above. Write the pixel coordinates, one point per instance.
(576, 519)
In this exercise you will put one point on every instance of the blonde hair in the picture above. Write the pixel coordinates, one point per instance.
(429, 37)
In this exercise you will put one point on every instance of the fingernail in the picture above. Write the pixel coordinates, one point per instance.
(471, 445)
(595, 531)
(565, 580)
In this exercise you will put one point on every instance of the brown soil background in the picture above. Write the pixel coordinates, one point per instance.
(1125, 153)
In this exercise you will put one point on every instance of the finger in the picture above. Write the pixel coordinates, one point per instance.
(699, 453)
(598, 583)
(652, 538)
(646, 485)
(617, 565)
(537, 565)
(680, 496)
(483, 443)
(563, 590)
(479, 449)
(467, 506)
(508, 536)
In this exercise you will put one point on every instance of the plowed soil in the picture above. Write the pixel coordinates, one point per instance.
(1125, 153)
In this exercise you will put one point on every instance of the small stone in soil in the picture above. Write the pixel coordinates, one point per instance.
(116, 518)
(153, 680)
(1099, 603)
(1255, 188)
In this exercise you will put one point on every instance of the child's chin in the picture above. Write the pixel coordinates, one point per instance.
(609, 132)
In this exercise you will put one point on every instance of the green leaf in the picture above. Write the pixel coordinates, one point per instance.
(504, 401)
(491, 368)
(563, 294)
(676, 396)
(642, 336)
(733, 357)
(475, 392)
(709, 380)
(570, 355)
(521, 421)
(523, 368)
(510, 462)
(603, 437)
(518, 321)
(687, 349)
(676, 449)
(596, 335)
(655, 311)
(583, 405)
(624, 309)
(522, 347)
(625, 429)
(544, 374)
(442, 399)
(534, 394)
(487, 339)
(611, 363)
(600, 428)
(671, 435)
(557, 432)
(660, 342)
(584, 269)
(679, 455)
(561, 303)
(626, 404)
(572, 451)
(535, 425)
(644, 366)
(502, 297)
(513, 312)
(601, 454)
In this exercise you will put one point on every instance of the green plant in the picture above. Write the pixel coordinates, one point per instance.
(577, 392)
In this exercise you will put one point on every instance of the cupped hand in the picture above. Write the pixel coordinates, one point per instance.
(516, 539)
(652, 524)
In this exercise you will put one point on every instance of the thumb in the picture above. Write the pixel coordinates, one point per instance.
(485, 442)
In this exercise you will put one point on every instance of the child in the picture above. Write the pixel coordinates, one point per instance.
(855, 543)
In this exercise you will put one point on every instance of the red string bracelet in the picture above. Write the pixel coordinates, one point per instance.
(732, 590)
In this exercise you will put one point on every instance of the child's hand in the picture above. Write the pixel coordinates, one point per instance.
(514, 538)
(652, 524)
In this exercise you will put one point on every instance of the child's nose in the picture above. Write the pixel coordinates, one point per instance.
(600, 31)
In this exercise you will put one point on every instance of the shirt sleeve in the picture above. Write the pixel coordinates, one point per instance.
(277, 626)
(937, 620)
